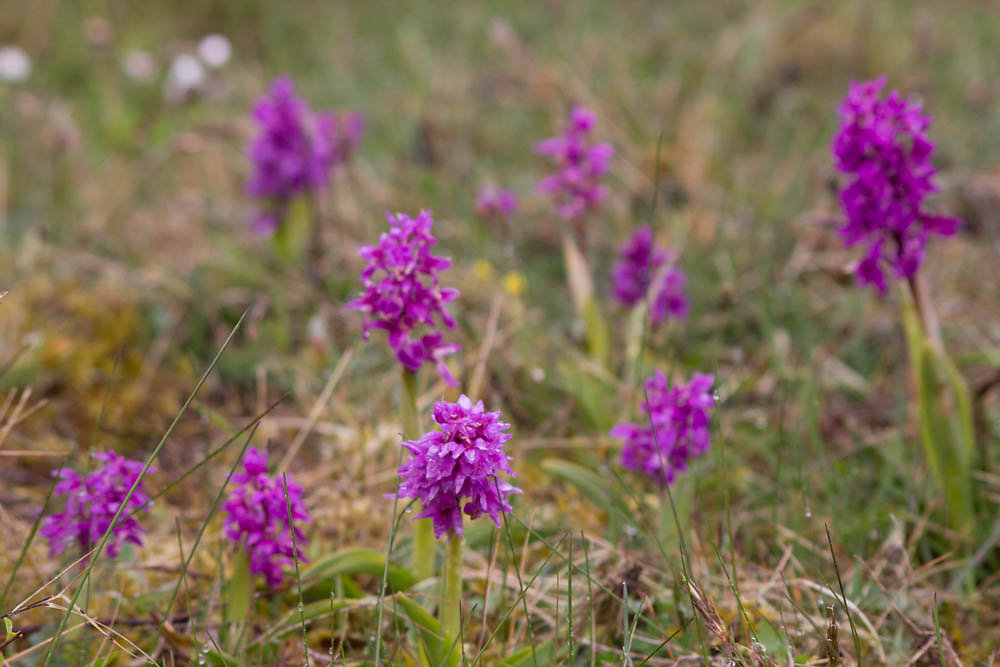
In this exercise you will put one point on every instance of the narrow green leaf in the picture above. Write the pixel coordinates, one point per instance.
(358, 560)
(544, 654)
(441, 649)
(947, 434)
(683, 494)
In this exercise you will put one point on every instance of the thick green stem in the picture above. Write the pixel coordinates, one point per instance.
(451, 605)
(423, 530)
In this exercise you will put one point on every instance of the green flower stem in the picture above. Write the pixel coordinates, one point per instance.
(682, 500)
(925, 311)
(411, 418)
(451, 605)
(423, 531)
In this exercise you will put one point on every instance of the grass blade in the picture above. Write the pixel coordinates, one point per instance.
(201, 532)
(510, 610)
(937, 631)
(843, 595)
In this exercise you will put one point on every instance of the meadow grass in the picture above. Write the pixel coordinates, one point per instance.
(127, 262)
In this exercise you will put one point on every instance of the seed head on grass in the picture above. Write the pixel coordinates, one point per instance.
(459, 463)
(257, 516)
(883, 145)
(402, 291)
(575, 186)
(294, 150)
(91, 505)
(644, 269)
(680, 416)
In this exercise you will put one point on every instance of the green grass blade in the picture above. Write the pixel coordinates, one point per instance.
(517, 573)
(201, 532)
(843, 596)
(937, 631)
(510, 609)
(293, 618)
(31, 535)
(211, 455)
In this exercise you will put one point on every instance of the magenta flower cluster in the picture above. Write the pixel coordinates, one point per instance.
(575, 186)
(495, 203)
(294, 151)
(257, 517)
(460, 461)
(402, 291)
(680, 416)
(643, 269)
(91, 505)
(883, 145)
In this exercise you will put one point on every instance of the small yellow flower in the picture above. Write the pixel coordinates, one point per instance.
(482, 269)
(513, 282)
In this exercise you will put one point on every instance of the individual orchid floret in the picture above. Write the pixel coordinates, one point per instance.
(402, 291)
(575, 187)
(495, 203)
(643, 270)
(680, 415)
(91, 505)
(882, 143)
(295, 150)
(456, 469)
(258, 518)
